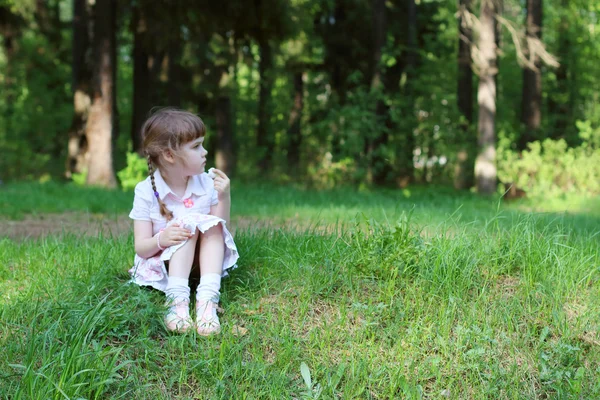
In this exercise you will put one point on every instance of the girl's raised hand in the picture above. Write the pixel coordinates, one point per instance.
(174, 234)
(222, 184)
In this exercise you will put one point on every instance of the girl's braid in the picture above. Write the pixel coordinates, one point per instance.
(164, 211)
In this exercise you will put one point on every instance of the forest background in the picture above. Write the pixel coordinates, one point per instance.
(475, 94)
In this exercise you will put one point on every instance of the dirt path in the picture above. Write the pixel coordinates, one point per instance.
(85, 224)
(80, 224)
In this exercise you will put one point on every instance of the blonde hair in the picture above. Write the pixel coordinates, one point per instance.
(168, 129)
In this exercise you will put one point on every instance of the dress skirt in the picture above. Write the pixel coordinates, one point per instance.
(152, 271)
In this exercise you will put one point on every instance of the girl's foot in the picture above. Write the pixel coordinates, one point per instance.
(207, 322)
(178, 317)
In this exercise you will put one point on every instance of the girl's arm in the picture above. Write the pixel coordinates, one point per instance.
(222, 186)
(145, 243)
(222, 209)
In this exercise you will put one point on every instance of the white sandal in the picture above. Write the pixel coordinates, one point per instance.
(207, 322)
(178, 317)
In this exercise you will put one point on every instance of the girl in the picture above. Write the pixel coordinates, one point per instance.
(180, 215)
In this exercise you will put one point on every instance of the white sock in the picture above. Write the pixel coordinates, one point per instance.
(178, 289)
(210, 285)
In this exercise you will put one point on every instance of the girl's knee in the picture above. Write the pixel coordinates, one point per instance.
(216, 230)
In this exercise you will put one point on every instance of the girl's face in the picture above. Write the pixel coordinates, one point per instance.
(193, 157)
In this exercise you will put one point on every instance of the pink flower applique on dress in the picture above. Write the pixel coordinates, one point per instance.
(188, 203)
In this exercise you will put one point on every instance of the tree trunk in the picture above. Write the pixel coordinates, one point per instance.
(263, 136)
(174, 72)
(532, 77)
(373, 144)
(338, 75)
(77, 149)
(485, 164)
(465, 72)
(379, 30)
(560, 101)
(295, 127)
(463, 176)
(224, 156)
(406, 169)
(100, 121)
(142, 84)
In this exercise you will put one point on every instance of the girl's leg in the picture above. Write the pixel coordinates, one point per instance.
(178, 289)
(212, 251)
(180, 264)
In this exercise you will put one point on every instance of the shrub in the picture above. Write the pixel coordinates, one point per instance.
(135, 171)
(550, 167)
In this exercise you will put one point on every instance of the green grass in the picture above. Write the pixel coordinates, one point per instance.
(421, 296)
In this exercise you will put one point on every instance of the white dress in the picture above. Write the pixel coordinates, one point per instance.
(190, 212)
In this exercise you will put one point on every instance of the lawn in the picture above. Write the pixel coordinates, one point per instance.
(381, 294)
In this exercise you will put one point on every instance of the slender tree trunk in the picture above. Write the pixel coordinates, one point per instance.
(532, 77)
(224, 155)
(77, 149)
(295, 128)
(559, 102)
(485, 164)
(463, 176)
(142, 83)
(338, 76)
(373, 144)
(100, 121)
(465, 72)
(10, 31)
(9, 34)
(263, 136)
(379, 30)
(406, 169)
(174, 87)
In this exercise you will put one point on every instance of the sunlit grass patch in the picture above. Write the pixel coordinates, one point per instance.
(398, 300)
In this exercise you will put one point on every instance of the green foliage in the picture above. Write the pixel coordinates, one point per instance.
(327, 174)
(80, 178)
(388, 253)
(550, 167)
(135, 171)
(349, 131)
(35, 109)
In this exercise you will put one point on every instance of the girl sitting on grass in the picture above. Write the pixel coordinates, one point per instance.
(180, 216)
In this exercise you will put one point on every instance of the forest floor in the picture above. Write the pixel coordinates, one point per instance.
(427, 293)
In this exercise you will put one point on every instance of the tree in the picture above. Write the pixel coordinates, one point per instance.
(373, 145)
(531, 105)
(264, 139)
(11, 25)
(485, 163)
(406, 170)
(99, 128)
(295, 120)
(77, 149)
(271, 22)
(142, 82)
(561, 100)
(462, 173)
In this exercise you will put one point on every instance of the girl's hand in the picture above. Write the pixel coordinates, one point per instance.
(222, 184)
(174, 234)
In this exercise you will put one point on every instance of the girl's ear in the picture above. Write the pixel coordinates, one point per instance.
(168, 156)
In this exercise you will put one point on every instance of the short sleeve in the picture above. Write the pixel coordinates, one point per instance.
(142, 203)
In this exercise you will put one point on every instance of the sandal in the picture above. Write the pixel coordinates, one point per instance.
(178, 317)
(207, 322)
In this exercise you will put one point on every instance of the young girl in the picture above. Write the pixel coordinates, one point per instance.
(180, 215)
